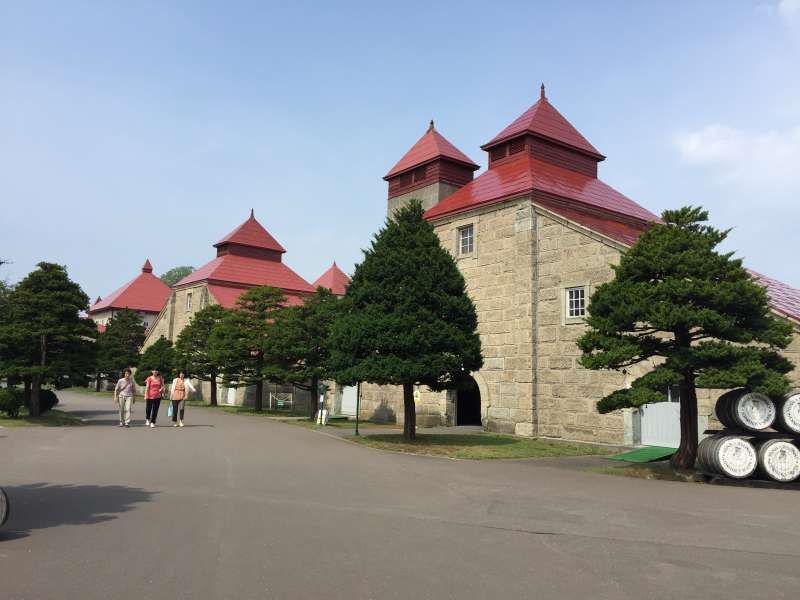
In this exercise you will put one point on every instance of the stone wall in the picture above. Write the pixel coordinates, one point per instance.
(176, 315)
(566, 393)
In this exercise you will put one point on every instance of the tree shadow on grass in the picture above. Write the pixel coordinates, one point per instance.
(41, 505)
(446, 439)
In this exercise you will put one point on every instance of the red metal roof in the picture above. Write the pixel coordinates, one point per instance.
(625, 233)
(526, 174)
(227, 296)
(429, 147)
(248, 271)
(251, 233)
(334, 279)
(146, 293)
(783, 298)
(544, 120)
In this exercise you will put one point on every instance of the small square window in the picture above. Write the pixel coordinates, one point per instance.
(576, 302)
(466, 239)
(188, 301)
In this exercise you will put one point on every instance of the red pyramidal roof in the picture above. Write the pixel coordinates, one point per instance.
(334, 279)
(429, 147)
(782, 297)
(146, 293)
(526, 175)
(544, 120)
(251, 233)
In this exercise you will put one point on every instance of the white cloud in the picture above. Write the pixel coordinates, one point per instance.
(769, 159)
(789, 9)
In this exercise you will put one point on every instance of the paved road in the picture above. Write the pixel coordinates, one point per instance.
(240, 507)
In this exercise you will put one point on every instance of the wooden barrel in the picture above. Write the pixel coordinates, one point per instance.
(743, 409)
(787, 417)
(778, 460)
(727, 455)
(4, 507)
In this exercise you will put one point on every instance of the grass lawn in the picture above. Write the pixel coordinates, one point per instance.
(52, 418)
(477, 446)
(660, 470)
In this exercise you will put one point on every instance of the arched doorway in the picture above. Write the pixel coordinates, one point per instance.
(468, 404)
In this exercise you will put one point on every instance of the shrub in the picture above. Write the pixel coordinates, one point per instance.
(47, 400)
(11, 401)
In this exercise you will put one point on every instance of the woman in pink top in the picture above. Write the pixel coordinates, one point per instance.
(153, 391)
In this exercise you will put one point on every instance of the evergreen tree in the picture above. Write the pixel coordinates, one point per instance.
(175, 274)
(406, 318)
(677, 299)
(193, 347)
(240, 341)
(300, 346)
(118, 346)
(43, 333)
(159, 356)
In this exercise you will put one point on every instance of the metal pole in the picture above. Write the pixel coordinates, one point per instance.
(358, 404)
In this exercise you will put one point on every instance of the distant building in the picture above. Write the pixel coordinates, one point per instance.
(146, 294)
(333, 279)
(534, 235)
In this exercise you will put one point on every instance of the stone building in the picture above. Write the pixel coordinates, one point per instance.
(145, 294)
(247, 257)
(533, 236)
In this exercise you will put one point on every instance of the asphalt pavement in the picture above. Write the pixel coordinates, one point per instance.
(243, 507)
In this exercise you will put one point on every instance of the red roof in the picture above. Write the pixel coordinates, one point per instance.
(544, 120)
(526, 174)
(145, 293)
(251, 233)
(334, 279)
(625, 233)
(782, 297)
(227, 296)
(429, 147)
(248, 271)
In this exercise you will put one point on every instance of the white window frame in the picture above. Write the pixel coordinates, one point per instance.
(569, 317)
(188, 301)
(470, 227)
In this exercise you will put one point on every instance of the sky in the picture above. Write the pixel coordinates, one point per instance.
(136, 130)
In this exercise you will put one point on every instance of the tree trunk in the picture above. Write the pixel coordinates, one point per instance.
(312, 410)
(213, 382)
(97, 382)
(27, 390)
(258, 403)
(410, 413)
(686, 455)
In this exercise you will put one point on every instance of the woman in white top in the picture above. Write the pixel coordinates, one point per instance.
(179, 389)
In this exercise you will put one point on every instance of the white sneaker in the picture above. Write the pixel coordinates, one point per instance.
(121, 424)
(152, 424)
(174, 424)
(146, 422)
(180, 423)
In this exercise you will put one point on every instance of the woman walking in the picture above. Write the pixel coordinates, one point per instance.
(123, 396)
(179, 389)
(153, 392)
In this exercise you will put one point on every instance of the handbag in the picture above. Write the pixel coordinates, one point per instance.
(169, 410)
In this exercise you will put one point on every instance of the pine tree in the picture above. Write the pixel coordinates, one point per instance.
(175, 274)
(193, 350)
(239, 342)
(677, 299)
(159, 356)
(300, 343)
(44, 332)
(118, 346)
(406, 318)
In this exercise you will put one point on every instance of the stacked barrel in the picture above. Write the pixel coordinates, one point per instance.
(761, 437)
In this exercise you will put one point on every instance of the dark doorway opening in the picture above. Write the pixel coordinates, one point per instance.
(468, 404)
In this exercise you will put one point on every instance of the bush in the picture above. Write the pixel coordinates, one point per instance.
(11, 401)
(47, 400)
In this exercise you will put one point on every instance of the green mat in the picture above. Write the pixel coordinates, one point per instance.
(643, 455)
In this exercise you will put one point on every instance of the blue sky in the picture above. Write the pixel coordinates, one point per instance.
(149, 129)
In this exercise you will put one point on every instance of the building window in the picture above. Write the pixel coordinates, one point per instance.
(498, 153)
(576, 302)
(203, 298)
(420, 174)
(466, 239)
(188, 301)
(516, 146)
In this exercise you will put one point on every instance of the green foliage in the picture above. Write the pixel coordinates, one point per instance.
(240, 341)
(676, 298)
(175, 274)
(301, 339)
(47, 400)
(192, 349)
(406, 317)
(118, 347)
(11, 401)
(42, 335)
(161, 356)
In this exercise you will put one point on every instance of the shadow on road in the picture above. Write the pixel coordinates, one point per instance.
(42, 505)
